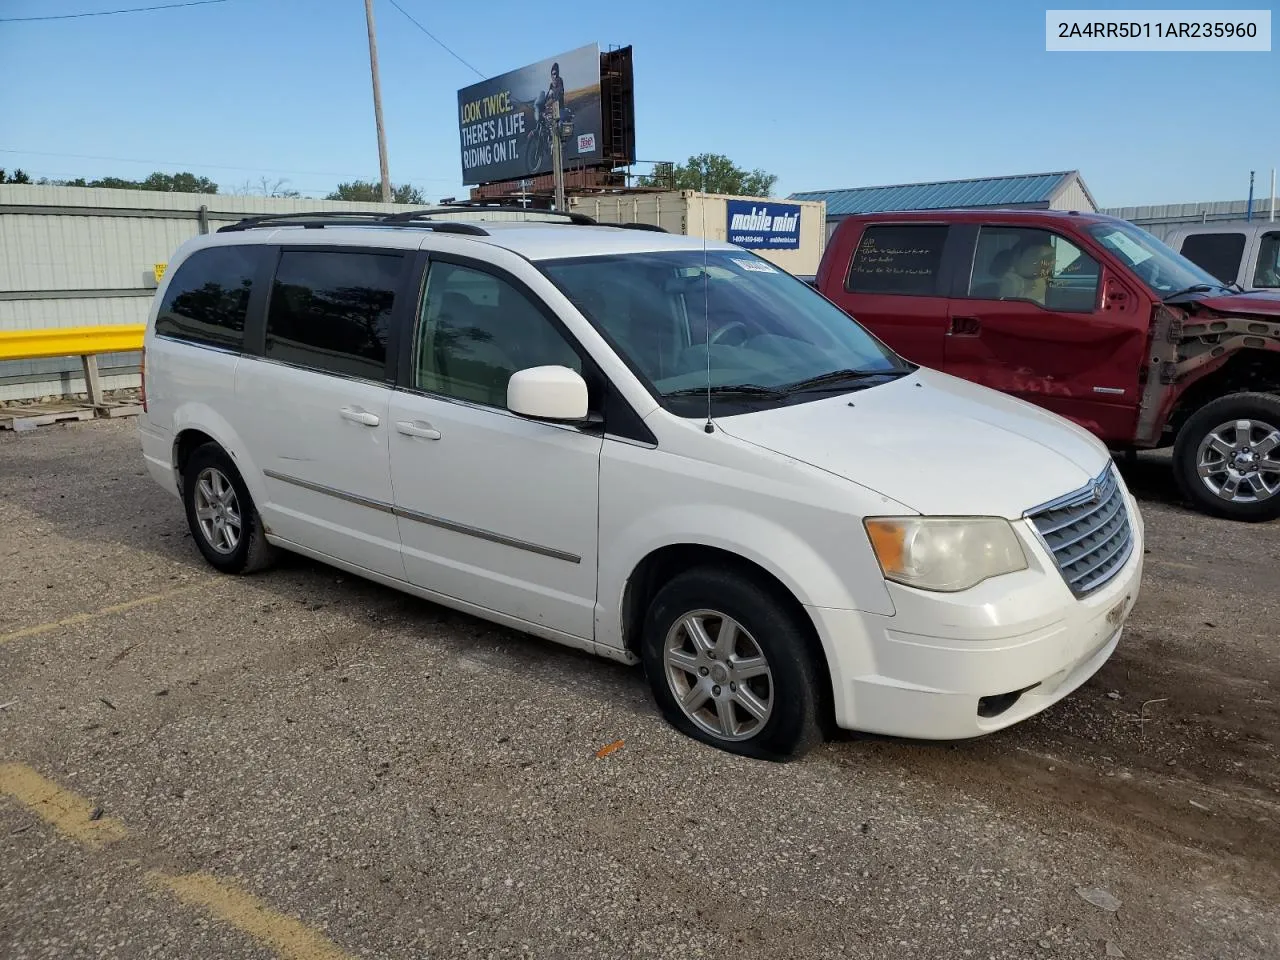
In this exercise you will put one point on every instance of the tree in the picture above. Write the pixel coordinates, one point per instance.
(266, 187)
(179, 183)
(18, 176)
(162, 182)
(368, 191)
(716, 173)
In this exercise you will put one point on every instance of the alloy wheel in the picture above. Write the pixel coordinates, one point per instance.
(1239, 461)
(217, 510)
(719, 675)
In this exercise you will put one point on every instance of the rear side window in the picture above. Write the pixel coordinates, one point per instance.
(208, 298)
(330, 310)
(902, 259)
(1267, 272)
(1219, 253)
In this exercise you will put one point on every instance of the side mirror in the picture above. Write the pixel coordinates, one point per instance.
(547, 393)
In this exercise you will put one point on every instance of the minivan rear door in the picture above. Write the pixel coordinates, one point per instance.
(1041, 319)
(316, 393)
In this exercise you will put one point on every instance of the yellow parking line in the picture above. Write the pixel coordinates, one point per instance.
(72, 815)
(67, 812)
(78, 618)
(227, 901)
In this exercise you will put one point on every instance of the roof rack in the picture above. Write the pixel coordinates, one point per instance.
(318, 219)
(462, 206)
(632, 225)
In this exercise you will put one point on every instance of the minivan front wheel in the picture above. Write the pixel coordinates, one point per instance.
(1227, 457)
(223, 520)
(729, 665)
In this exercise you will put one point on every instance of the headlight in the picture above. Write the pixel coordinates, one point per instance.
(944, 554)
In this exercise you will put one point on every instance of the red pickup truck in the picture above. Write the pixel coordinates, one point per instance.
(1090, 317)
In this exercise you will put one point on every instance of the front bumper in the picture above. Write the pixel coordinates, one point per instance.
(950, 666)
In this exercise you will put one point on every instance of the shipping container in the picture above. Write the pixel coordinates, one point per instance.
(695, 214)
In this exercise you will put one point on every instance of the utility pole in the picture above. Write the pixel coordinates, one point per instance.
(557, 156)
(377, 103)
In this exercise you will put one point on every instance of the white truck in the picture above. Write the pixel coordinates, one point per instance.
(1246, 252)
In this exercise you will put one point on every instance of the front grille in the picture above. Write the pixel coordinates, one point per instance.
(1088, 532)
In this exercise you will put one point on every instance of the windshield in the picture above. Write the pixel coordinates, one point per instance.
(1162, 269)
(767, 328)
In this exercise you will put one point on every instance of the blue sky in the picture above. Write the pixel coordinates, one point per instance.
(824, 94)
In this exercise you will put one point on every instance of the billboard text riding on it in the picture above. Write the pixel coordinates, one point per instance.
(505, 123)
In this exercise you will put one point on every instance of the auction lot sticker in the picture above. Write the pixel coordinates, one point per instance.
(1185, 31)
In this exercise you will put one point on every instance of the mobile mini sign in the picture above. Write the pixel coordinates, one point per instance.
(763, 226)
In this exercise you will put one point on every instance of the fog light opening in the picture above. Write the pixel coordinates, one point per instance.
(998, 703)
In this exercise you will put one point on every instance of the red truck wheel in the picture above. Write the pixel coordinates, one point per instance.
(1227, 457)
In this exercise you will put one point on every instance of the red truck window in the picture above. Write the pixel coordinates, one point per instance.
(1019, 263)
(898, 258)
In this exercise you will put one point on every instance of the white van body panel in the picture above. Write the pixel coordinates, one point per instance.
(545, 528)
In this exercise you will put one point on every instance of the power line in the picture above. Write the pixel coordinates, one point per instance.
(437, 40)
(209, 166)
(108, 13)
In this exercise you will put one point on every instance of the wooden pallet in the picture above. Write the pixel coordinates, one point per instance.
(118, 408)
(43, 414)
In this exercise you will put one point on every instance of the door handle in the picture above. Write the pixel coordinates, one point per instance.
(359, 416)
(417, 428)
(964, 327)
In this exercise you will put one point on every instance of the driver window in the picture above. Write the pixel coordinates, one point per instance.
(475, 330)
(1267, 273)
(1019, 263)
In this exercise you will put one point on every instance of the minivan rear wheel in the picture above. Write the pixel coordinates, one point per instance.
(223, 520)
(730, 666)
(1227, 457)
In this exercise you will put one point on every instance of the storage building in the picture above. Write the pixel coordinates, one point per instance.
(1063, 190)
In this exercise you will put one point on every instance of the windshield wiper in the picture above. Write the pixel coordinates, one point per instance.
(730, 389)
(838, 377)
(1194, 288)
(1233, 285)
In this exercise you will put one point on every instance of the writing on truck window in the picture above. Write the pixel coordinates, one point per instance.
(897, 259)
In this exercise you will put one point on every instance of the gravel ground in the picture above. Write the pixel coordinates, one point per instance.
(413, 782)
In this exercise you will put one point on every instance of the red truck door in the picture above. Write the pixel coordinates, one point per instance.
(889, 277)
(1042, 319)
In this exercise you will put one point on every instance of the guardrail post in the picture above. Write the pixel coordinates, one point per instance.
(92, 385)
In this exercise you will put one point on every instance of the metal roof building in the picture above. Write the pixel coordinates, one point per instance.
(1163, 218)
(1062, 190)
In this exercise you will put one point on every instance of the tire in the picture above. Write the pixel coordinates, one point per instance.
(788, 690)
(533, 150)
(228, 547)
(1227, 457)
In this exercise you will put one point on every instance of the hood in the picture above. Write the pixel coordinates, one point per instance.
(1255, 302)
(938, 444)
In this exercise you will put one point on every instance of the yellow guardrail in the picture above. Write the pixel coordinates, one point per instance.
(70, 341)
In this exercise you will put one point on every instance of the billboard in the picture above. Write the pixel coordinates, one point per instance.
(503, 137)
(763, 226)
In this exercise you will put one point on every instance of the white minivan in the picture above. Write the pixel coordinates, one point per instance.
(655, 449)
